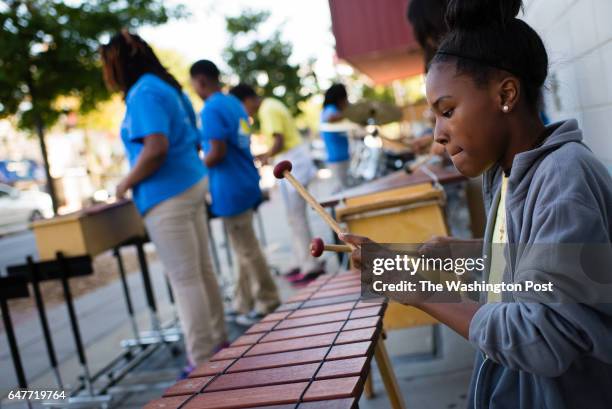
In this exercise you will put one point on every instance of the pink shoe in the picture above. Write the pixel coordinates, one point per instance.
(291, 274)
(296, 277)
(307, 278)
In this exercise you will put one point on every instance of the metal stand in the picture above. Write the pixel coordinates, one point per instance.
(42, 315)
(228, 248)
(92, 390)
(213, 248)
(260, 227)
(148, 286)
(224, 283)
(126, 294)
(12, 341)
(74, 323)
(164, 334)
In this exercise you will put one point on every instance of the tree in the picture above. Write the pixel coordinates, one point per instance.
(49, 49)
(264, 62)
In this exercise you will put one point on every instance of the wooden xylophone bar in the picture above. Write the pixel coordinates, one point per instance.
(313, 352)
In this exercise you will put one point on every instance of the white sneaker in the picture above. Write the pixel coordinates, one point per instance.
(249, 319)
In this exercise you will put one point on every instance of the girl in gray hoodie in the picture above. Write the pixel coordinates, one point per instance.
(549, 204)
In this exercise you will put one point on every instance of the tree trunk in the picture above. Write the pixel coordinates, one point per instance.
(40, 130)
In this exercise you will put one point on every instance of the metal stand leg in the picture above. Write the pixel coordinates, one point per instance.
(42, 314)
(76, 332)
(388, 376)
(171, 299)
(260, 226)
(221, 278)
(148, 287)
(158, 333)
(169, 288)
(126, 294)
(228, 248)
(213, 249)
(12, 341)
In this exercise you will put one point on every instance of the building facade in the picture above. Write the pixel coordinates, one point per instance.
(578, 37)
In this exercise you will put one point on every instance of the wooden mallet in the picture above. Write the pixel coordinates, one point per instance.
(317, 247)
(283, 170)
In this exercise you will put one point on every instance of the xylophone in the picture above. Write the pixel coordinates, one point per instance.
(89, 231)
(312, 352)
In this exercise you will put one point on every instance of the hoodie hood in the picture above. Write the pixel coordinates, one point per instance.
(560, 133)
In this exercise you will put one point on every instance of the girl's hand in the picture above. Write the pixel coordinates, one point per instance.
(357, 241)
(122, 189)
(437, 247)
(451, 247)
(367, 278)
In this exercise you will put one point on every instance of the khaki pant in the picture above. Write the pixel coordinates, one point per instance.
(297, 217)
(255, 288)
(177, 227)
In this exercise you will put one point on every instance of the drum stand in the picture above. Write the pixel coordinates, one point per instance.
(92, 390)
(63, 269)
(160, 333)
(10, 288)
(388, 376)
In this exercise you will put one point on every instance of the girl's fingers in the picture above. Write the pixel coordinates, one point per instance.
(353, 239)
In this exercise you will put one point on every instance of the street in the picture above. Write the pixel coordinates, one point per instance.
(15, 247)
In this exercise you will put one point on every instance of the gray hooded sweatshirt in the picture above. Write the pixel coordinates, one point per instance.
(548, 355)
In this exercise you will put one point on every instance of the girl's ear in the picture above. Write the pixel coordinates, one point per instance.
(508, 93)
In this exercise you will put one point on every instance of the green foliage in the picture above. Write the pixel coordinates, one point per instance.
(264, 62)
(49, 48)
(378, 93)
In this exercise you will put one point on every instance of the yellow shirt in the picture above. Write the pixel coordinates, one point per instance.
(500, 237)
(276, 118)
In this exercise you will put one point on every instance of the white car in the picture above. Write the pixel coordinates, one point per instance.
(21, 207)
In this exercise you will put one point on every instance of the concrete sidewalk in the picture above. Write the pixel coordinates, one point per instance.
(438, 383)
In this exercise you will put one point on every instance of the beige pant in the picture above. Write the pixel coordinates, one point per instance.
(295, 206)
(255, 288)
(339, 179)
(177, 227)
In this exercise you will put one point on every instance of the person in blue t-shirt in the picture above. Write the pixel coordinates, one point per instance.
(168, 185)
(234, 188)
(336, 143)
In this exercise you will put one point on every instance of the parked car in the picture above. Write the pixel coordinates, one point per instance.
(21, 207)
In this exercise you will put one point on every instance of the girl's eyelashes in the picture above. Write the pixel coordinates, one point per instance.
(448, 113)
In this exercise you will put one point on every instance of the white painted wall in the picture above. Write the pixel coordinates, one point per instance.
(578, 38)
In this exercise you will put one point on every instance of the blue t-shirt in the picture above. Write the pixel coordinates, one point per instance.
(336, 143)
(154, 106)
(234, 182)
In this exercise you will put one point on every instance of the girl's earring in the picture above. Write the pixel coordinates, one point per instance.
(506, 108)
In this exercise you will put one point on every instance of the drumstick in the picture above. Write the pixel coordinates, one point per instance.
(317, 247)
(283, 170)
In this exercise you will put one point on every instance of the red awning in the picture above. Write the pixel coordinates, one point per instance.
(374, 37)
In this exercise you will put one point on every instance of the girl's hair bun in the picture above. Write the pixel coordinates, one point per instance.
(473, 14)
